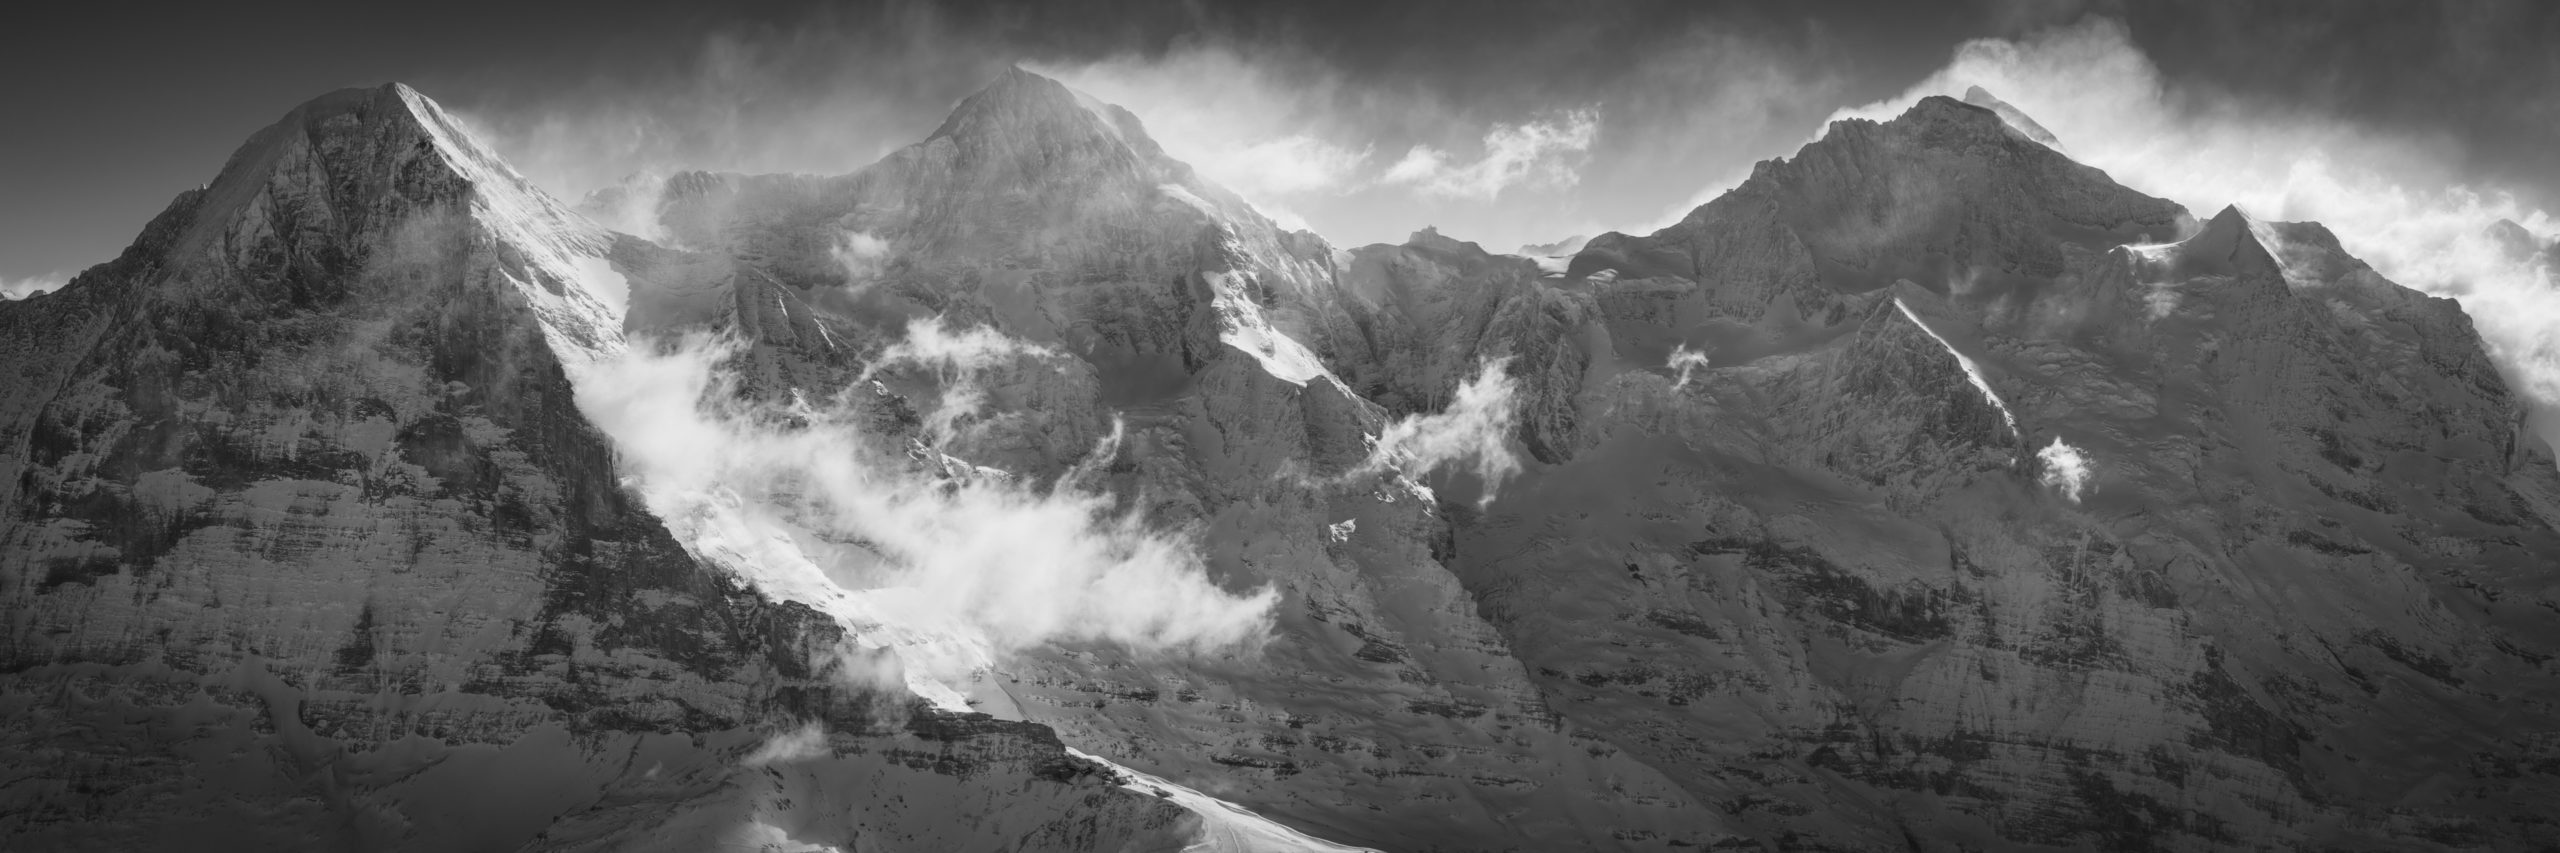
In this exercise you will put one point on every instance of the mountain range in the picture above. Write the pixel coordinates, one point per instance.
(1025, 490)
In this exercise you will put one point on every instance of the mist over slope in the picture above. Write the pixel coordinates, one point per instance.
(1026, 490)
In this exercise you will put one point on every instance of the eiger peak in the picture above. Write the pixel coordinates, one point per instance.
(1928, 490)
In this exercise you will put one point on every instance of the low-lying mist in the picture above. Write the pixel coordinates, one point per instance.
(955, 565)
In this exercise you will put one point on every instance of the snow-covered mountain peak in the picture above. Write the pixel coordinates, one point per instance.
(1024, 110)
(1929, 488)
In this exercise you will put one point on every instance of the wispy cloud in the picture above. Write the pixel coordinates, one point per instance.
(956, 359)
(1685, 360)
(2390, 196)
(2066, 468)
(1474, 430)
(789, 747)
(810, 507)
(21, 288)
(1543, 153)
(1262, 127)
(861, 255)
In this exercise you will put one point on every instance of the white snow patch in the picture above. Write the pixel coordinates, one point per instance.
(1242, 326)
(1341, 531)
(2065, 468)
(1281, 356)
(1971, 371)
(1224, 827)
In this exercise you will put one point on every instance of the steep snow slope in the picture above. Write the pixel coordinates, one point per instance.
(304, 545)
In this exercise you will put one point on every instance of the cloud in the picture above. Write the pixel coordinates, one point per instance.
(1260, 126)
(631, 206)
(1684, 359)
(827, 94)
(2390, 195)
(1530, 154)
(861, 255)
(2065, 468)
(790, 747)
(1301, 122)
(949, 567)
(1476, 427)
(956, 360)
(20, 288)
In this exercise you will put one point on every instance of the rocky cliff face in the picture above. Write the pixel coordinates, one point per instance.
(1383, 709)
(307, 546)
(1927, 491)
(1993, 520)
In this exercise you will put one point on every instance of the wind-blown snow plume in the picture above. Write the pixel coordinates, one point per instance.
(953, 570)
(1684, 359)
(1475, 427)
(2065, 468)
(1249, 127)
(2388, 196)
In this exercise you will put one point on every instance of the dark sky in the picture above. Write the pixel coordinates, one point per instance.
(1613, 115)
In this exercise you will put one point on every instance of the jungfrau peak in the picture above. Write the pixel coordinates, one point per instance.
(1025, 490)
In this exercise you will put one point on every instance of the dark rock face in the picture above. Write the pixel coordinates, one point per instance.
(1927, 491)
(308, 546)
(2291, 467)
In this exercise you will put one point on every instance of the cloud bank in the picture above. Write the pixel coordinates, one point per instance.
(952, 566)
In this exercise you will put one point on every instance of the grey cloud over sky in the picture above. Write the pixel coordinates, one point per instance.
(1618, 115)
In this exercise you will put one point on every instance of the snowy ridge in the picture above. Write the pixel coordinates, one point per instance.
(1224, 827)
(1972, 371)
